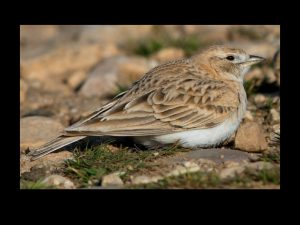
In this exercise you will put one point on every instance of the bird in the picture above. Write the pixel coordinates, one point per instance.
(197, 102)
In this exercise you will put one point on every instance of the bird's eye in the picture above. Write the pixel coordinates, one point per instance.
(230, 57)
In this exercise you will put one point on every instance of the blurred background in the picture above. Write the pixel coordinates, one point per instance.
(68, 71)
(62, 66)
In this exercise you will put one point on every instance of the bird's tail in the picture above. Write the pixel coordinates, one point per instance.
(53, 145)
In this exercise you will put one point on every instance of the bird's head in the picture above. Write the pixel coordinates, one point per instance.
(230, 62)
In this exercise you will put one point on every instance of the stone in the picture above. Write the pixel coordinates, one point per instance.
(76, 79)
(142, 179)
(36, 172)
(275, 115)
(23, 90)
(230, 164)
(269, 75)
(254, 74)
(178, 171)
(231, 172)
(254, 157)
(168, 54)
(101, 81)
(207, 33)
(209, 156)
(250, 137)
(112, 180)
(44, 33)
(276, 128)
(62, 60)
(117, 34)
(59, 182)
(56, 86)
(36, 39)
(50, 162)
(132, 70)
(37, 130)
(248, 116)
(108, 76)
(260, 100)
(191, 166)
(260, 165)
(155, 153)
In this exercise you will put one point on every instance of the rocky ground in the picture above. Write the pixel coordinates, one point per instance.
(68, 71)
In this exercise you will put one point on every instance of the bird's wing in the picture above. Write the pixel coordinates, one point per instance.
(164, 101)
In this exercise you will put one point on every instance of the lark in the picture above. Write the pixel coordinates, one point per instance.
(196, 102)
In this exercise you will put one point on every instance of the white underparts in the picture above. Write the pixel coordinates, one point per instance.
(203, 137)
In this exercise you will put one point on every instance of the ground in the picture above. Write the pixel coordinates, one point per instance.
(68, 71)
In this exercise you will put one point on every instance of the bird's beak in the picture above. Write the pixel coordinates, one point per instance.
(253, 59)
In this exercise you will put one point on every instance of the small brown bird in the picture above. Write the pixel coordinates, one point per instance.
(197, 102)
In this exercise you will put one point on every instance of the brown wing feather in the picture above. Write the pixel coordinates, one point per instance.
(163, 101)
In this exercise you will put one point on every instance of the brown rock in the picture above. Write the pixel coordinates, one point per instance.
(250, 137)
(260, 100)
(23, 90)
(275, 115)
(270, 76)
(132, 70)
(56, 86)
(37, 130)
(168, 54)
(76, 78)
(61, 61)
(248, 116)
(254, 74)
(117, 34)
(50, 162)
(37, 34)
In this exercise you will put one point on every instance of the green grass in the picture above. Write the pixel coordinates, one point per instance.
(266, 176)
(250, 87)
(120, 89)
(90, 165)
(148, 46)
(247, 179)
(273, 157)
(24, 184)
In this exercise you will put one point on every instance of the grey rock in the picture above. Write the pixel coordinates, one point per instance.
(112, 73)
(59, 182)
(215, 155)
(112, 180)
(145, 179)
